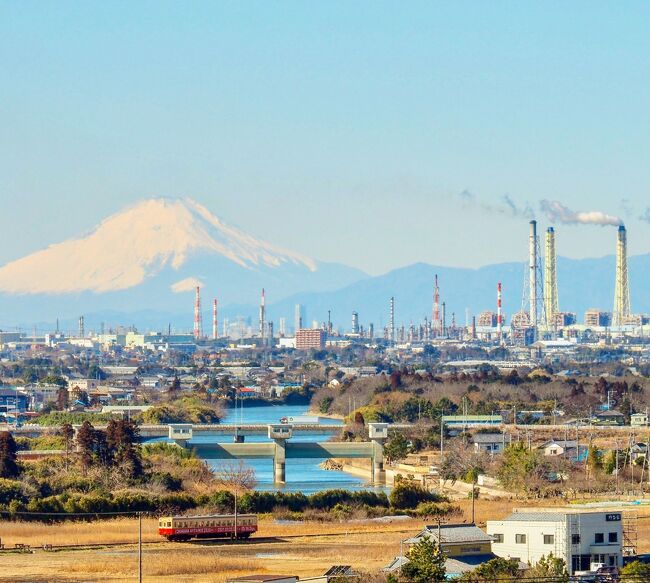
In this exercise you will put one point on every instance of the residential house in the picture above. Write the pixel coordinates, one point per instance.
(466, 547)
(492, 443)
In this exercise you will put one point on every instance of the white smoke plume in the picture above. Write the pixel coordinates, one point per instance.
(556, 212)
(507, 206)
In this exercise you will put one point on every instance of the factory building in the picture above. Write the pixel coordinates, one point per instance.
(579, 537)
(595, 317)
(561, 319)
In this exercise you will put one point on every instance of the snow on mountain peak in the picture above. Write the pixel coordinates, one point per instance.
(135, 244)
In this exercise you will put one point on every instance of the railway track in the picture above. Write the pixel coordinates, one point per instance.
(216, 542)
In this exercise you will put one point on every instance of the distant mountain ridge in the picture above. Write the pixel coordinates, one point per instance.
(150, 256)
(582, 283)
(140, 267)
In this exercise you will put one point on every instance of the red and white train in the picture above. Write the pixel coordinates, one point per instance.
(184, 528)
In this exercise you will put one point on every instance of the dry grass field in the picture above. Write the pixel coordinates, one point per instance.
(304, 549)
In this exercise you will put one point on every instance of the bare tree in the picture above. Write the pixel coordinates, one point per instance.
(236, 475)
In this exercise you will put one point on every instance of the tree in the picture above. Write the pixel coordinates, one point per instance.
(175, 387)
(67, 432)
(493, 571)
(609, 464)
(518, 465)
(121, 438)
(86, 443)
(396, 448)
(594, 460)
(635, 571)
(409, 494)
(62, 399)
(550, 567)
(426, 563)
(9, 467)
(96, 372)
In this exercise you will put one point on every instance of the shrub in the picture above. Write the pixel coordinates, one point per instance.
(10, 490)
(408, 495)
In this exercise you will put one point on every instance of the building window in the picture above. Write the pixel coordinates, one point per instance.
(549, 539)
(520, 539)
(497, 538)
(599, 538)
(613, 537)
(575, 539)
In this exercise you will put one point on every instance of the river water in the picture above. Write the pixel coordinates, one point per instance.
(302, 475)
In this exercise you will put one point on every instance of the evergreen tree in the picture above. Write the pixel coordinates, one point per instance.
(121, 438)
(426, 563)
(62, 399)
(67, 432)
(594, 460)
(635, 571)
(550, 567)
(396, 448)
(9, 467)
(86, 443)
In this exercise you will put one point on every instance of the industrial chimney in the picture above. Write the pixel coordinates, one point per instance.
(551, 301)
(621, 290)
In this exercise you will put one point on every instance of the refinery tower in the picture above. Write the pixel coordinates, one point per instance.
(621, 289)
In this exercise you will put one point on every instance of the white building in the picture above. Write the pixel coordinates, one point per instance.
(579, 537)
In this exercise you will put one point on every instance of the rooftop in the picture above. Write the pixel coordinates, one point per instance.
(453, 533)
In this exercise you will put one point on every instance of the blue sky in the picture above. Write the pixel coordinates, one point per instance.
(344, 130)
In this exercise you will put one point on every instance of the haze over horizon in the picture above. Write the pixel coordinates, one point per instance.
(376, 135)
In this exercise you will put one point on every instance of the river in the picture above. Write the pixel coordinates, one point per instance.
(303, 475)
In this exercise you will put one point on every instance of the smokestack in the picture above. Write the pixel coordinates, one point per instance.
(443, 319)
(499, 313)
(532, 275)
(621, 289)
(297, 316)
(435, 315)
(391, 322)
(215, 322)
(474, 327)
(551, 302)
(198, 318)
(262, 329)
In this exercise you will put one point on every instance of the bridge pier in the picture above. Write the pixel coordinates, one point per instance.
(280, 434)
(378, 433)
(378, 473)
(279, 462)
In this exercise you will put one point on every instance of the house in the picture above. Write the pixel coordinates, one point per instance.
(466, 547)
(639, 420)
(608, 418)
(579, 537)
(638, 450)
(491, 442)
(12, 399)
(336, 573)
(568, 449)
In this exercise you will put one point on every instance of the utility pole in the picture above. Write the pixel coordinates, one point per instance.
(139, 547)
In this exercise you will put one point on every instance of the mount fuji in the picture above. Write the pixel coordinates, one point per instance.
(149, 257)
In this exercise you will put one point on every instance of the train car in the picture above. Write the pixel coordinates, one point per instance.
(184, 528)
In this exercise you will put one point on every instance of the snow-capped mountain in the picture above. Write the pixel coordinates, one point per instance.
(150, 256)
(137, 244)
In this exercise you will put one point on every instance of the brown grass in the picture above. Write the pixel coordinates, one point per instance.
(312, 548)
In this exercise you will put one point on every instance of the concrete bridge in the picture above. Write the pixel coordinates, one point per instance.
(151, 431)
(280, 448)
